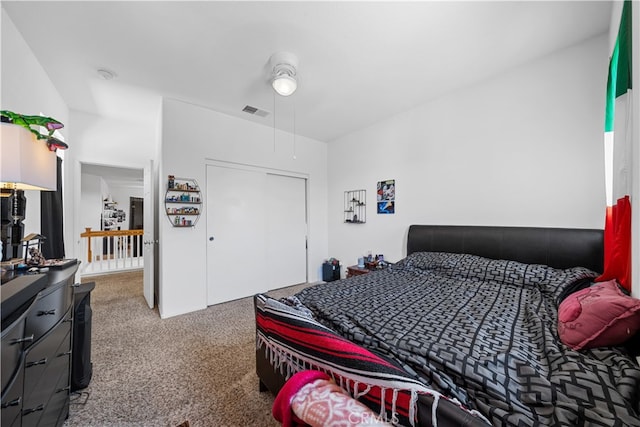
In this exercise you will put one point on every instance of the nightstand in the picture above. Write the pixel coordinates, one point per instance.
(354, 270)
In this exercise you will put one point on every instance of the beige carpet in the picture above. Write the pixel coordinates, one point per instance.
(197, 367)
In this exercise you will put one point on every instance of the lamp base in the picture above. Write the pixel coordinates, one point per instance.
(13, 206)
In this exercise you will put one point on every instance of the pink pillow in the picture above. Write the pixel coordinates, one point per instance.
(598, 316)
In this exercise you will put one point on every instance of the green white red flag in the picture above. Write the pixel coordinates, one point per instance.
(617, 146)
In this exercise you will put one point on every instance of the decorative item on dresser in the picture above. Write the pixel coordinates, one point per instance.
(37, 324)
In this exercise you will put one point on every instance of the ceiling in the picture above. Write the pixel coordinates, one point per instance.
(359, 62)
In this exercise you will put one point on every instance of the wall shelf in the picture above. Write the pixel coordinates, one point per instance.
(182, 201)
(355, 203)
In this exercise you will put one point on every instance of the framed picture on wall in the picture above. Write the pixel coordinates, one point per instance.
(386, 196)
(387, 207)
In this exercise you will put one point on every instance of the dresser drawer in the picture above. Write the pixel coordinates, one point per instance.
(49, 307)
(57, 409)
(12, 399)
(13, 343)
(45, 362)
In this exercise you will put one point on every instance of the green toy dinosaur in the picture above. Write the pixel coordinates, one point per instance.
(27, 121)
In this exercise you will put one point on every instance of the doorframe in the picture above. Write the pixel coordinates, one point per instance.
(267, 170)
(77, 196)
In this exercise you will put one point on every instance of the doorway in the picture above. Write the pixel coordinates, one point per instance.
(136, 220)
(105, 197)
(136, 213)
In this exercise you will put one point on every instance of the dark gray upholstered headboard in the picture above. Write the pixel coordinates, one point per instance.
(556, 247)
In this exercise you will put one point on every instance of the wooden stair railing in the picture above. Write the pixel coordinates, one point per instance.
(116, 235)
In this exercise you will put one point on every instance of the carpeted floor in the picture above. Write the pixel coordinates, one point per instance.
(198, 367)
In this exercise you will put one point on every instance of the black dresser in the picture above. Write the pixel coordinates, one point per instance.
(37, 324)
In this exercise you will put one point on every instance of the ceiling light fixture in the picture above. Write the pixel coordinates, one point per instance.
(106, 74)
(283, 73)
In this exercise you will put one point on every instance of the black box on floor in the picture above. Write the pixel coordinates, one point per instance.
(330, 272)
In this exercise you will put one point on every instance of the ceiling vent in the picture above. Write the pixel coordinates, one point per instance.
(255, 111)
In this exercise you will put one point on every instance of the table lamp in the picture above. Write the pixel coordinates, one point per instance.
(26, 163)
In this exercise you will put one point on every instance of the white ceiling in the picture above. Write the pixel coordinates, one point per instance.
(359, 62)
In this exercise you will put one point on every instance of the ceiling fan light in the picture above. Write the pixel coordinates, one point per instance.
(284, 73)
(284, 84)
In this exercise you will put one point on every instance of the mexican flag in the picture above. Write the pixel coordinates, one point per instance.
(617, 147)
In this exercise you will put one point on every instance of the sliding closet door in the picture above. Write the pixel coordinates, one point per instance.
(286, 230)
(257, 230)
(236, 228)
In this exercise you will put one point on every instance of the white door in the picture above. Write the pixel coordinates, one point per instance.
(148, 237)
(286, 230)
(236, 250)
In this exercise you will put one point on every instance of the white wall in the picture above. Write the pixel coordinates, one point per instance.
(27, 89)
(185, 149)
(521, 149)
(90, 203)
(108, 141)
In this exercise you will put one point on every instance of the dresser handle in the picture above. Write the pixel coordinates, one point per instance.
(30, 410)
(46, 313)
(42, 361)
(14, 402)
(20, 340)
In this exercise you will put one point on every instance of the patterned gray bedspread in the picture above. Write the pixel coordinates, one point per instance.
(485, 332)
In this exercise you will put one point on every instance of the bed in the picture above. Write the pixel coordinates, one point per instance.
(463, 331)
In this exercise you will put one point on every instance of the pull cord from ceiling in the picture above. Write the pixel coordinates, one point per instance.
(295, 156)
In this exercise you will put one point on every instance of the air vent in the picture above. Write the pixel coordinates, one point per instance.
(255, 111)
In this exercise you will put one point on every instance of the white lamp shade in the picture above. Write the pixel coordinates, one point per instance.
(25, 162)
